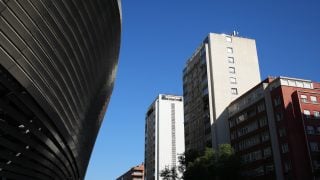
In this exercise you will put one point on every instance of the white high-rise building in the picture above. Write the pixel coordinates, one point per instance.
(221, 69)
(164, 135)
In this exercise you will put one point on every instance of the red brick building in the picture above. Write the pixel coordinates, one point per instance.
(135, 173)
(275, 129)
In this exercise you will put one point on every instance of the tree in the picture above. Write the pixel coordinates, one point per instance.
(165, 173)
(202, 167)
(174, 174)
(169, 174)
(228, 164)
(182, 161)
(211, 165)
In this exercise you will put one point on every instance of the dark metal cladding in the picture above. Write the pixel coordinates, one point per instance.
(58, 63)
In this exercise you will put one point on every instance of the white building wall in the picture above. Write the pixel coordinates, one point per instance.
(164, 137)
(180, 146)
(164, 132)
(247, 75)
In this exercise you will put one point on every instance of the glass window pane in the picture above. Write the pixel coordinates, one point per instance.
(230, 59)
(229, 50)
(229, 39)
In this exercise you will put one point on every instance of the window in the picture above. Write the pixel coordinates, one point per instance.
(249, 142)
(267, 152)
(232, 123)
(269, 168)
(306, 85)
(282, 132)
(292, 83)
(233, 135)
(241, 118)
(284, 82)
(248, 128)
(257, 155)
(287, 166)
(203, 60)
(230, 60)
(277, 101)
(233, 80)
(313, 99)
(232, 70)
(306, 113)
(299, 84)
(229, 50)
(258, 171)
(234, 91)
(316, 164)
(253, 156)
(261, 107)
(314, 146)
(304, 98)
(284, 148)
(309, 129)
(263, 121)
(251, 112)
(265, 136)
(279, 116)
(229, 39)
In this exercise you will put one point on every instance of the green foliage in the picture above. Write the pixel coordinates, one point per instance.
(174, 174)
(212, 165)
(169, 174)
(165, 173)
(182, 162)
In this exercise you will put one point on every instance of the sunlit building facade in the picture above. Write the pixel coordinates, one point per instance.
(164, 135)
(221, 69)
(275, 129)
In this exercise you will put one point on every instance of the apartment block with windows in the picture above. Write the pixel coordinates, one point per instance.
(275, 129)
(164, 135)
(222, 68)
(134, 173)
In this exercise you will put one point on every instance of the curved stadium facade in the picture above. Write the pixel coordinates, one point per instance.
(58, 64)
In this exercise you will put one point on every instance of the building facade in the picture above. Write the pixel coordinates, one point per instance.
(58, 65)
(164, 135)
(275, 129)
(221, 69)
(135, 173)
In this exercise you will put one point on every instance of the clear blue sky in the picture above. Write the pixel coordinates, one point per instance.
(159, 36)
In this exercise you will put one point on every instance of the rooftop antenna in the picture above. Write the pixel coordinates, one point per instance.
(235, 33)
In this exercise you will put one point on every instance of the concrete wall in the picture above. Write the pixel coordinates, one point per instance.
(247, 75)
(168, 130)
(165, 135)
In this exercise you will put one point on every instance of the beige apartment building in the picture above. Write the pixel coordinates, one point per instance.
(221, 69)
